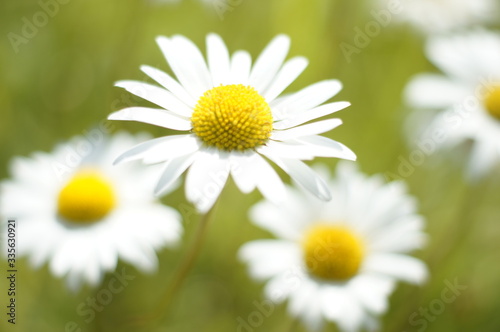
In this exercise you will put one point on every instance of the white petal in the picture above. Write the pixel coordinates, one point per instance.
(173, 170)
(63, 259)
(206, 178)
(402, 267)
(485, 154)
(283, 285)
(140, 150)
(287, 221)
(251, 171)
(187, 63)
(324, 147)
(241, 64)
(466, 56)
(269, 62)
(303, 117)
(314, 128)
(178, 145)
(373, 291)
(306, 177)
(267, 258)
(108, 257)
(93, 270)
(287, 74)
(218, 60)
(157, 117)
(342, 307)
(156, 95)
(289, 149)
(171, 85)
(69, 258)
(242, 166)
(144, 260)
(433, 91)
(307, 98)
(403, 235)
(41, 251)
(269, 183)
(304, 303)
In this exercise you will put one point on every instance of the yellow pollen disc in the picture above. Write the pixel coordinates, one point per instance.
(492, 101)
(232, 117)
(332, 252)
(86, 198)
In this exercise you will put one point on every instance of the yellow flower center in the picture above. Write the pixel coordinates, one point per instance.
(492, 101)
(232, 117)
(332, 252)
(86, 198)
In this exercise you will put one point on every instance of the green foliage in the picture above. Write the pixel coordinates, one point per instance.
(60, 83)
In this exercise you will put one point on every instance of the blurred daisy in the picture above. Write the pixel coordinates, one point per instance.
(80, 214)
(468, 93)
(338, 261)
(434, 16)
(234, 118)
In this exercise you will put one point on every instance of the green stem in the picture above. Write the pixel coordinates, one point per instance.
(182, 272)
(188, 261)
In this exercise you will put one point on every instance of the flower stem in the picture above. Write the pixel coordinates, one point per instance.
(188, 261)
(182, 272)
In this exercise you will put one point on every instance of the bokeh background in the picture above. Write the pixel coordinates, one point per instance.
(59, 83)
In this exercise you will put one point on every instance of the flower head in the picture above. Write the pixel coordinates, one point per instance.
(338, 260)
(467, 96)
(80, 214)
(234, 119)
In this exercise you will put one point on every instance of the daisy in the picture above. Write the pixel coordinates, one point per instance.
(234, 120)
(80, 214)
(435, 16)
(467, 94)
(339, 260)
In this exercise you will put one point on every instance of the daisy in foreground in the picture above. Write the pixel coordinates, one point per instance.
(437, 16)
(338, 261)
(80, 214)
(468, 96)
(234, 118)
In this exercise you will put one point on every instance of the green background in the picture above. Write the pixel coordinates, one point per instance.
(60, 83)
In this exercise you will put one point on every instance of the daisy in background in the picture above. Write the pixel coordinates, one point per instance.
(234, 120)
(80, 214)
(467, 95)
(338, 261)
(437, 16)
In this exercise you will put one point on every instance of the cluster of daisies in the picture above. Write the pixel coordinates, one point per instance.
(346, 238)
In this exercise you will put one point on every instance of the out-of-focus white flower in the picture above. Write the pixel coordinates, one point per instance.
(437, 16)
(338, 261)
(234, 117)
(468, 95)
(80, 214)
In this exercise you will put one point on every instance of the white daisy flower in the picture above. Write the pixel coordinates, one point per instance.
(468, 94)
(233, 119)
(437, 16)
(338, 261)
(78, 213)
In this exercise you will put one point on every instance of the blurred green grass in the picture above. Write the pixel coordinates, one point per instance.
(61, 83)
